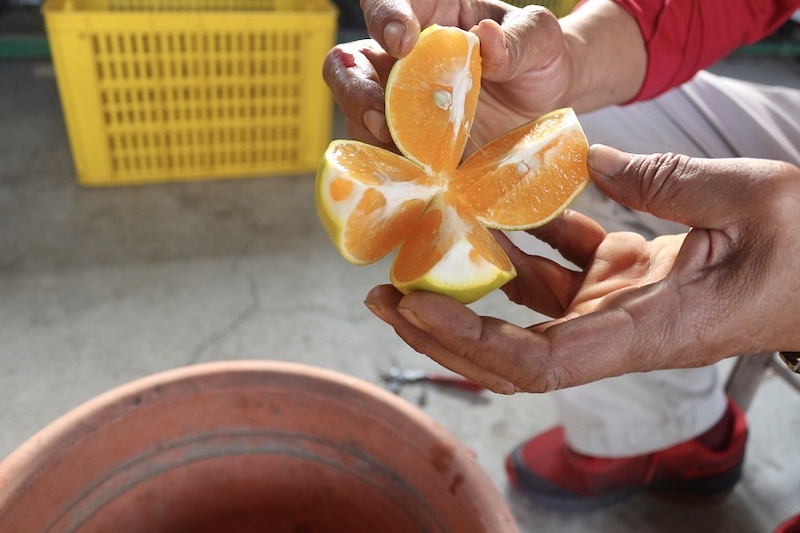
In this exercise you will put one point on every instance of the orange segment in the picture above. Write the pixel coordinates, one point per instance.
(368, 198)
(372, 201)
(528, 176)
(431, 96)
(374, 228)
(449, 251)
(426, 247)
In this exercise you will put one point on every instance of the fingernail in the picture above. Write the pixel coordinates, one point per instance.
(375, 121)
(393, 37)
(607, 161)
(375, 308)
(412, 317)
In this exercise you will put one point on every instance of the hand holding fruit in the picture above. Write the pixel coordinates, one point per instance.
(428, 204)
(505, 50)
(532, 62)
(727, 287)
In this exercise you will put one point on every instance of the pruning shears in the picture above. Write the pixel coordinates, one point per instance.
(397, 377)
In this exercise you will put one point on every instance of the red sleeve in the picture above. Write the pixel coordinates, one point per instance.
(685, 36)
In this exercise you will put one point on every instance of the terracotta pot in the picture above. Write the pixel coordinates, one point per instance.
(247, 446)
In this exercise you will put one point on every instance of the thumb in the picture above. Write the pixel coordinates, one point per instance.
(527, 38)
(392, 24)
(704, 193)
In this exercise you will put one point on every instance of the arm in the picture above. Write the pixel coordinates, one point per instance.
(608, 56)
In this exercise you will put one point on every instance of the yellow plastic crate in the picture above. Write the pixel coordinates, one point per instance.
(176, 90)
(560, 8)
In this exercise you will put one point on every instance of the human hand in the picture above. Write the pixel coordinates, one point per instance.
(532, 63)
(525, 64)
(728, 287)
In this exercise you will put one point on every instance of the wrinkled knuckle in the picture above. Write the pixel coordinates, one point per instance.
(366, 9)
(551, 375)
(539, 13)
(544, 21)
(658, 173)
(378, 13)
(555, 377)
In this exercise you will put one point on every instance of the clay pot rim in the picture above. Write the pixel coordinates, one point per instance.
(34, 454)
(67, 427)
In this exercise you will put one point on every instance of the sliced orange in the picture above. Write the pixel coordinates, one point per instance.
(424, 204)
(431, 97)
(527, 177)
(448, 251)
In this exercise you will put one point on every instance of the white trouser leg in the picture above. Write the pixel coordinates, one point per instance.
(707, 117)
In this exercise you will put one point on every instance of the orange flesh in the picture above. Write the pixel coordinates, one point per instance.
(430, 239)
(371, 165)
(486, 248)
(372, 233)
(341, 189)
(524, 193)
(433, 100)
(430, 248)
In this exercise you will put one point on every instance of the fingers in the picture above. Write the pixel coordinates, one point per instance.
(385, 302)
(396, 24)
(506, 358)
(494, 347)
(731, 270)
(355, 73)
(574, 235)
(638, 334)
(541, 284)
(392, 24)
(706, 193)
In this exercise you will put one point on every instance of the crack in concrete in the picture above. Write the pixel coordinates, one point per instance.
(240, 318)
(326, 312)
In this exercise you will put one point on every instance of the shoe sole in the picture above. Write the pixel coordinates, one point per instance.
(575, 505)
(554, 497)
(700, 491)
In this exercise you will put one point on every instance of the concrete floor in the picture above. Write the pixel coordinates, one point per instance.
(102, 286)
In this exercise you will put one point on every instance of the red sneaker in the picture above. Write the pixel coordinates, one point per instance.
(547, 472)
